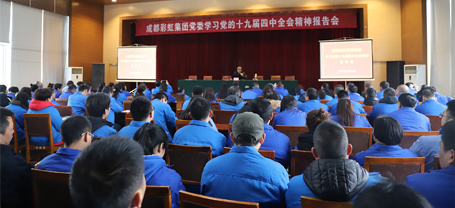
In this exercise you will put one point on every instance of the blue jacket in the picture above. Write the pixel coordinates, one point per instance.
(431, 107)
(157, 89)
(245, 175)
(411, 120)
(200, 133)
(158, 174)
(115, 108)
(332, 102)
(19, 117)
(120, 98)
(278, 142)
(257, 91)
(185, 104)
(359, 120)
(126, 93)
(356, 97)
(357, 108)
(131, 129)
(147, 93)
(310, 105)
(170, 98)
(61, 161)
(54, 102)
(66, 95)
(57, 93)
(287, 117)
(442, 98)
(249, 94)
(77, 102)
(428, 147)
(164, 116)
(327, 97)
(282, 91)
(105, 131)
(237, 107)
(11, 95)
(56, 121)
(380, 94)
(381, 150)
(381, 109)
(186, 96)
(437, 186)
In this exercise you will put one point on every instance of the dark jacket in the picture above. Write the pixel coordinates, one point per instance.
(98, 123)
(232, 100)
(241, 75)
(371, 101)
(335, 179)
(305, 141)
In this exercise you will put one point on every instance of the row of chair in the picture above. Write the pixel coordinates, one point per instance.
(259, 77)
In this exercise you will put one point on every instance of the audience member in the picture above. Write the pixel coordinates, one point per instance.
(382, 86)
(334, 101)
(297, 91)
(346, 116)
(327, 90)
(289, 114)
(353, 95)
(248, 93)
(368, 85)
(409, 119)
(12, 91)
(164, 116)
(387, 136)
(77, 100)
(232, 101)
(322, 95)
(67, 85)
(313, 119)
(58, 89)
(280, 89)
(257, 89)
(16, 177)
(168, 87)
(98, 108)
(146, 92)
(438, 186)
(19, 105)
(342, 94)
(412, 88)
(28, 91)
(401, 89)
(440, 98)
(118, 95)
(4, 99)
(209, 94)
(273, 97)
(140, 91)
(109, 173)
(370, 97)
(386, 105)
(223, 93)
(70, 91)
(53, 99)
(76, 136)
(142, 113)
(332, 176)
(197, 91)
(429, 105)
(243, 173)
(181, 91)
(164, 89)
(312, 103)
(115, 107)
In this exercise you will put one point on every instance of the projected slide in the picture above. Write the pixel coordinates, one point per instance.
(136, 63)
(346, 59)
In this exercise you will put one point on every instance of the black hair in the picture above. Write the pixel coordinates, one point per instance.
(322, 94)
(83, 87)
(13, 89)
(72, 87)
(448, 136)
(407, 100)
(296, 90)
(267, 91)
(100, 87)
(389, 92)
(384, 85)
(163, 86)
(140, 108)
(140, 90)
(3, 88)
(279, 83)
(72, 129)
(312, 94)
(157, 83)
(107, 173)
(57, 86)
(96, 104)
(337, 88)
(346, 113)
(255, 84)
(390, 194)
(50, 85)
(288, 102)
(209, 94)
(371, 92)
(234, 91)
(43, 94)
(4, 114)
(325, 87)
(185, 115)
(427, 93)
(330, 140)
(149, 136)
(223, 93)
(353, 88)
(33, 87)
(388, 130)
(23, 98)
(260, 106)
(180, 89)
(27, 90)
(111, 84)
(451, 109)
(316, 117)
(160, 96)
(342, 94)
(409, 84)
(198, 90)
(79, 83)
(235, 84)
(117, 89)
(107, 90)
(200, 108)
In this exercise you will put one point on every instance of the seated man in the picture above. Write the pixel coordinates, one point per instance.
(76, 137)
(197, 91)
(12, 91)
(428, 146)
(98, 107)
(70, 91)
(142, 113)
(233, 101)
(353, 95)
(164, 89)
(239, 74)
(257, 89)
(383, 85)
(248, 93)
(199, 132)
(16, 177)
(109, 173)
(342, 94)
(280, 89)
(115, 107)
(386, 105)
(334, 101)
(401, 89)
(312, 102)
(332, 176)
(429, 104)
(438, 186)
(58, 89)
(409, 119)
(77, 100)
(370, 97)
(157, 88)
(387, 136)
(164, 116)
(243, 174)
(440, 98)
(181, 91)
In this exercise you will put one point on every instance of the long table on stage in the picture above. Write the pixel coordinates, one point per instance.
(215, 84)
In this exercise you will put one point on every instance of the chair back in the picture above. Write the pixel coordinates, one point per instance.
(207, 78)
(260, 77)
(191, 200)
(226, 77)
(273, 117)
(219, 100)
(300, 160)
(193, 77)
(181, 123)
(437, 165)
(65, 110)
(178, 113)
(289, 77)
(38, 124)
(397, 168)
(409, 137)
(180, 100)
(361, 138)
(367, 109)
(435, 122)
(128, 121)
(62, 102)
(275, 77)
(188, 161)
(265, 153)
(157, 197)
(223, 117)
(51, 189)
(308, 202)
(293, 132)
(126, 105)
(324, 101)
(215, 106)
(359, 101)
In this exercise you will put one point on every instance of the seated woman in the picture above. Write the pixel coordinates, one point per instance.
(154, 141)
(273, 97)
(19, 105)
(313, 119)
(163, 88)
(223, 93)
(347, 117)
(370, 97)
(118, 94)
(40, 104)
(289, 114)
(209, 94)
(387, 135)
(140, 90)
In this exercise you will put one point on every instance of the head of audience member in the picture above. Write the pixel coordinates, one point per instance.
(58, 87)
(69, 83)
(13, 89)
(109, 173)
(239, 69)
(325, 86)
(98, 105)
(3, 89)
(389, 92)
(123, 85)
(75, 132)
(370, 93)
(33, 87)
(387, 131)
(255, 84)
(447, 151)
(223, 93)
(312, 94)
(7, 125)
(198, 91)
(402, 89)
(84, 89)
(337, 89)
(72, 88)
(163, 86)
(246, 88)
(118, 88)
(345, 111)
(271, 85)
(158, 83)
(390, 194)
(236, 84)
(111, 84)
(407, 100)
(384, 85)
(161, 96)
(22, 98)
(368, 85)
(234, 91)
(248, 130)
(140, 90)
(200, 109)
(50, 85)
(39, 83)
(181, 90)
(108, 90)
(427, 94)
(331, 141)
(353, 88)
(296, 90)
(79, 83)
(209, 94)
(316, 117)
(27, 90)
(153, 139)
(279, 84)
(260, 106)
(289, 102)
(43, 94)
(449, 113)
(267, 91)
(342, 94)
(141, 109)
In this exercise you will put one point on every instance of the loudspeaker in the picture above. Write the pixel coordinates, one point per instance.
(395, 73)
(97, 75)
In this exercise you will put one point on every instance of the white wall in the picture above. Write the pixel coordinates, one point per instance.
(384, 21)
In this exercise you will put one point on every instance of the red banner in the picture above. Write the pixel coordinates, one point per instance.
(253, 23)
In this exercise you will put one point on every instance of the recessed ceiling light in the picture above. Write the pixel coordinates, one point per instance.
(114, 0)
